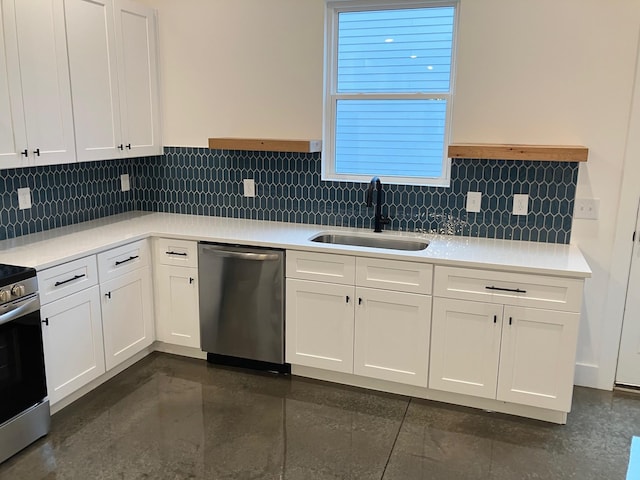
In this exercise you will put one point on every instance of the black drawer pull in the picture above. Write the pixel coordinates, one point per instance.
(46, 321)
(127, 260)
(176, 253)
(510, 320)
(514, 290)
(57, 284)
(495, 319)
(347, 298)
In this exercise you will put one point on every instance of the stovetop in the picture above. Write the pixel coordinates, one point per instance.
(10, 274)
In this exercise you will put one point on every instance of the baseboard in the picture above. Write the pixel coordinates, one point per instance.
(543, 414)
(179, 350)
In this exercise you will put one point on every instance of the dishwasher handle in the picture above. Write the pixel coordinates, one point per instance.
(260, 257)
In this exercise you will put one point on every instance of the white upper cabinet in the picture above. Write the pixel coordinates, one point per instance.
(13, 136)
(36, 86)
(112, 57)
(138, 78)
(92, 64)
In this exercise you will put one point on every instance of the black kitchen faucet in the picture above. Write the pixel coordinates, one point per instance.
(379, 220)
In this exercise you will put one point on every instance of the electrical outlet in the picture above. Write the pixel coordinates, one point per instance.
(24, 198)
(520, 204)
(125, 185)
(249, 187)
(473, 202)
(587, 208)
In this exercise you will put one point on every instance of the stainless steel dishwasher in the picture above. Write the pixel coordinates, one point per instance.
(242, 305)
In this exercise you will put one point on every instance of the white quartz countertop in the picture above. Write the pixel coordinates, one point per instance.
(46, 249)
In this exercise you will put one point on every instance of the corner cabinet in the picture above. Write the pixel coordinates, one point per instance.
(505, 336)
(364, 316)
(113, 67)
(127, 301)
(35, 90)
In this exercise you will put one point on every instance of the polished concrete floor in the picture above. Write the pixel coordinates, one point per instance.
(169, 417)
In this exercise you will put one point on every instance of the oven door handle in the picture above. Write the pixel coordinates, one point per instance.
(25, 307)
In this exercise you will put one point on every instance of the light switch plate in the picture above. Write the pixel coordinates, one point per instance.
(520, 204)
(249, 187)
(24, 198)
(125, 185)
(473, 202)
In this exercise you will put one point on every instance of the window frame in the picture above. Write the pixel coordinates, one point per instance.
(331, 96)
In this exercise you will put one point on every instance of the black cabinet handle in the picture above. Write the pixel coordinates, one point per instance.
(46, 321)
(75, 277)
(121, 147)
(108, 294)
(514, 290)
(359, 301)
(347, 298)
(176, 253)
(191, 280)
(495, 319)
(128, 146)
(25, 152)
(510, 320)
(37, 152)
(127, 260)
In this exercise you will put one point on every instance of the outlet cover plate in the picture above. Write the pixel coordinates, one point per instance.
(24, 198)
(520, 204)
(125, 184)
(249, 187)
(587, 208)
(473, 202)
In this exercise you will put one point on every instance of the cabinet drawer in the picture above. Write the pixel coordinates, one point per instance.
(181, 253)
(62, 280)
(124, 259)
(321, 267)
(518, 289)
(394, 275)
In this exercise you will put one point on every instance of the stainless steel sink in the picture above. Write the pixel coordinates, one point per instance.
(375, 242)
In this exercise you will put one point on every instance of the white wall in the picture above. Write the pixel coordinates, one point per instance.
(544, 71)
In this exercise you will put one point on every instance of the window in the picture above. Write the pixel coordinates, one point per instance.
(388, 89)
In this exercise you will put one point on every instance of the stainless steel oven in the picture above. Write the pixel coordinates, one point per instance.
(24, 407)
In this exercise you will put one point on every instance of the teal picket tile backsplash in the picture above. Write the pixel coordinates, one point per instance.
(209, 182)
(288, 187)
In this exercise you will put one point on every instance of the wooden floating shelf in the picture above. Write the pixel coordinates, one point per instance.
(550, 153)
(266, 145)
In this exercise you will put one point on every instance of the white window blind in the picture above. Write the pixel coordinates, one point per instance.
(388, 92)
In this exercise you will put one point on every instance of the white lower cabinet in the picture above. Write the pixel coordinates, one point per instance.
(127, 315)
(73, 346)
(320, 325)
(177, 317)
(392, 336)
(373, 332)
(513, 354)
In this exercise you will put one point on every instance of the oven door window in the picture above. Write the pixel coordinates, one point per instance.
(22, 377)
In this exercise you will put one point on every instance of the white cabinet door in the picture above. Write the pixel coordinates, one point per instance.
(392, 336)
(465, 347)
(44, 72)
(127, 315)
(13, 135)
(72, 337)
(538, 357)
(320, 325)
(177, 307)
(138, 78)
(92, 65)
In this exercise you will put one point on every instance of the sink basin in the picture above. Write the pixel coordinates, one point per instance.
(375, 242)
